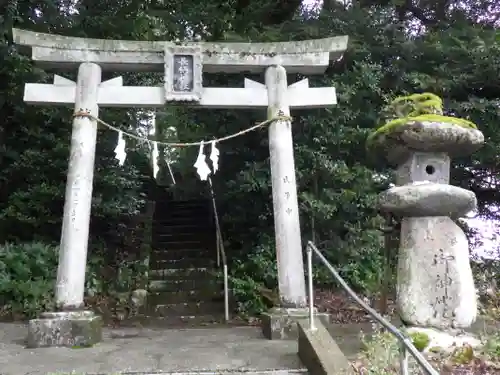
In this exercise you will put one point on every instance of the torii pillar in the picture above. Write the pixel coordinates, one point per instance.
(183, 67)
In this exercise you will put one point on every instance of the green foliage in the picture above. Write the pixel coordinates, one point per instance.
(28, 274)
(34, 149)
(492, 347)
(253, 274)
(394, 50)
(420, 340)
(35, 142)
(337, 185)
(416, 107)
(27, 278)
(412, 106)
(463, 355)
(380, 354)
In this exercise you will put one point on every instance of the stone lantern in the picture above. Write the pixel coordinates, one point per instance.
(435, 287)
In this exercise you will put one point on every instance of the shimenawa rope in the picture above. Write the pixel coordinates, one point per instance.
(173, 144)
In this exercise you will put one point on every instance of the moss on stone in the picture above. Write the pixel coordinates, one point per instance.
(415, 105)
(83, 346)
(436, 349)
(424, 107)
(420, 340)
(392, 125)
(463, 355)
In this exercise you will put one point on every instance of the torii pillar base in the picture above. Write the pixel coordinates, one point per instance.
(71, 329)
(281, 323)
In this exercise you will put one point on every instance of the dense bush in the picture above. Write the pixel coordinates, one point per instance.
(34, 150)
(390, 53)
(254, 277)
(27, 278)
(28, 274)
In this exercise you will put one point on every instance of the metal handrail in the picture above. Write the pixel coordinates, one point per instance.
(405, 342)
(221, 253)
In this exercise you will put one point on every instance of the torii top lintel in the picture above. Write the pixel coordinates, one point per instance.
(63, 52)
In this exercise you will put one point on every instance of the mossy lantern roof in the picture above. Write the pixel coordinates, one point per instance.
(416, 123)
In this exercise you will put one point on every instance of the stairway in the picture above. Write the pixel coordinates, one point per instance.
(183, 289)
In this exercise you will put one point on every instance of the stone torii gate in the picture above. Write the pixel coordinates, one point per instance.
(183, 66)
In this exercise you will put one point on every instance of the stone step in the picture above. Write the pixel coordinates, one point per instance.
(175, 214)
(182, 203)
(182, 216)
(160, 220)
(190, 260)
(182, 228)
(166, 211)
(170, 274)
(188, 308)
(236, 372)
(178, 321)
(176, 285)
(176, 237)
(200, 234)
(182, 211)
(181, 296)
(169, 204)
(241, 372)
(168, 254)
(189, 244)
(158, 264)
(194, 273)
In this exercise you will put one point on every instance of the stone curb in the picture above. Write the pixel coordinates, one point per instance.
(207, 372)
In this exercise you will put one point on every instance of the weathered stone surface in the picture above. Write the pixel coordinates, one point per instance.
(70, 285)
(306, 57)
(424, 166)
(139, 297)
(289, 255)
(183, 74)
(319, 352)
(141, 350)
(67, 329)
(428, 136)
(281, 323)
(435, 287)
(445, 342)
(427, 200)
(154, 97)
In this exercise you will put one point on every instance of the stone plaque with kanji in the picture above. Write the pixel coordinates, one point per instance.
(183, 73)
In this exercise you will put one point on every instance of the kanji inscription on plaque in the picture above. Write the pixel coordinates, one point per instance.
(183, 73)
